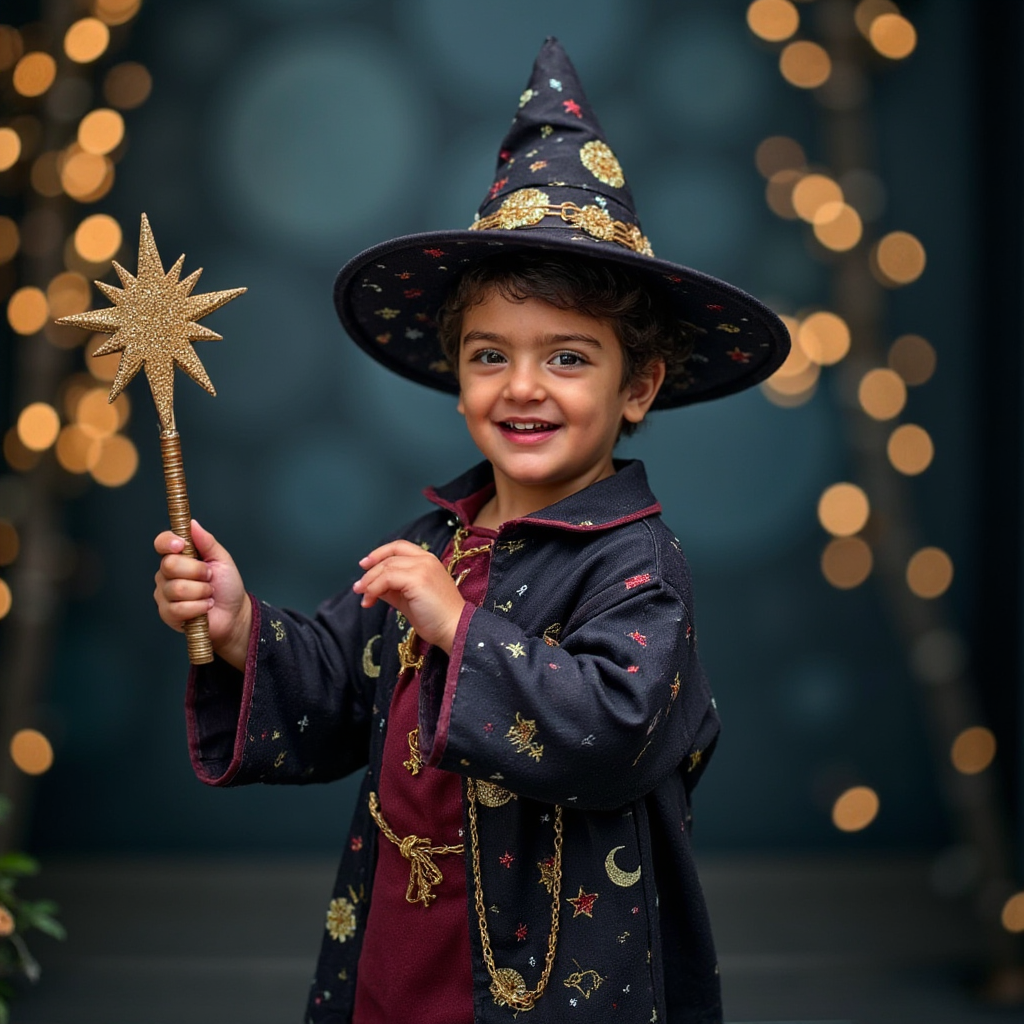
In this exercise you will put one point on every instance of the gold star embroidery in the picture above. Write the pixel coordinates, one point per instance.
(695, 758)
(520, 734)
(516, 649)
(547, 874)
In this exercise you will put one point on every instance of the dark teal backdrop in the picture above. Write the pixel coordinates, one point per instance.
(282, 137)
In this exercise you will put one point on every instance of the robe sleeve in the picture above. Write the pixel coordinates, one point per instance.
(301, 710)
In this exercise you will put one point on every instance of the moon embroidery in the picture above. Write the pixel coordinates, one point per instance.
(372, 671)
(621, 878)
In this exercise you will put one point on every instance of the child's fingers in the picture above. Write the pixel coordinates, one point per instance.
(184, 611)
(168, 543)
(392, 549)
(181, 567)
(184, 590)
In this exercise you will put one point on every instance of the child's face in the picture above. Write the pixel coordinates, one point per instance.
(543, 398)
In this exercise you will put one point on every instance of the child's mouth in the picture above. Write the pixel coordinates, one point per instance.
(523, 430)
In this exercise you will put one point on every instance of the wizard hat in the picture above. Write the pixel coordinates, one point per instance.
(560, 188)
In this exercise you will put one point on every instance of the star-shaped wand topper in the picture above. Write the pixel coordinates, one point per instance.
(153, 322)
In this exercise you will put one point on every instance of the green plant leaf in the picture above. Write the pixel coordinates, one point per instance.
(18, 864)
(5, 807)
(40, 916)
(5, 1016)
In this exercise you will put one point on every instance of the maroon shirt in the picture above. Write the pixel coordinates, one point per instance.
(416, 959)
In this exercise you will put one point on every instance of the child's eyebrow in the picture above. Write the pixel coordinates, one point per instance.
(549, 339)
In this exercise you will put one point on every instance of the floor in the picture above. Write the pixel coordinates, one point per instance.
(227, 941)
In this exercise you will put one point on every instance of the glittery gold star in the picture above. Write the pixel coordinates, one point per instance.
(153, 323)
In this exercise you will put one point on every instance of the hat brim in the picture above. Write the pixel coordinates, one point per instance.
(387, 298)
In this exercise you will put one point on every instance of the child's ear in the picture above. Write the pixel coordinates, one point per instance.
(643, 390)
(460, 408)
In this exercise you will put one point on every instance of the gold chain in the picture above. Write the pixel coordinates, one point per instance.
(507, 985)
(407, 657)
(423, 872)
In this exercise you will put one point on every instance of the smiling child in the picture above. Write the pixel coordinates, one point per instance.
(515, 673)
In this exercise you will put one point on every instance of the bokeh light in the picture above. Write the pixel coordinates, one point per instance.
(95, 415)
(45, 174)
(34, 73)
(882, 394)
(913, 358)
(83, 175)
(805, 64)
(101, 131)
(855, 809)
(101, 367)
(824, 337)
(773, 20)
(116, 12)
(98, 238)
(1012, 916)
(779, 153)
(117, 462)
(10, 239)
(38, 426)
(11, 46)
(843, 509)
(31, 751)
(67, 294)
(898, 259)
(86, 40)
(5, 599)
(794, 382)
(27, 310)
(846, 562)
(929, 572)
(838, 226)
(867, 10)
(778, 193)
(10, 148)
(16, 455)
(76, 449)
(910, 449)
(893, 36)
(127, 85)
(973, 750)
(10, 542)
(812, 192)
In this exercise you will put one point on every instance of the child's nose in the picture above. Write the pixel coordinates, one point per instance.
(524, 383)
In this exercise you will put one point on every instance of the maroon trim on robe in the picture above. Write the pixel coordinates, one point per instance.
(451, 681)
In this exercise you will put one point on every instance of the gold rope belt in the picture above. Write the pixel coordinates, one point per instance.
(423, 872)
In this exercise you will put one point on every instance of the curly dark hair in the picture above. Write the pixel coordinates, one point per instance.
(644, 321)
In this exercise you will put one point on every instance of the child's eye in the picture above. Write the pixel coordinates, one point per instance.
(568, 359)
(488, 356)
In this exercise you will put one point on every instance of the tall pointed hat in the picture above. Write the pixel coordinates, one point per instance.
(558, 187)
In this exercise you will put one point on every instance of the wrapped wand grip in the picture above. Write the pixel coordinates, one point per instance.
(197, 631)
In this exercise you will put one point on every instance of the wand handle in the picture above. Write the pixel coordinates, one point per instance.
(197, 631)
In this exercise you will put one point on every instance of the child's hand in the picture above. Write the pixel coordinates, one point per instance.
(187, 587)
(418, 585)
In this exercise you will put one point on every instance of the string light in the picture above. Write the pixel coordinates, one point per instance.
(843, 509)
(77, 450)
(27, 310)
(773, 20)
(867, 10)
(973, 750)
(838, 226)
(794, 382)
(929, 573)
(1012, 916)
(38, 426)
(83, 175)
(898, 259)
(10, 239)
(116, 12)
(10, 543)
(778, 192)
(824, 337)
(846, 562)
(86, 40)
(101, 131)
(812, 192)
(45, 174)
(10, 148)
(805, 64)
(34, 73)
(16, 455)
(910, 449)
(882, 394)
(127, 85)
(98, 238)
(5, 599)
(913, 358)
(855, 809)
(95, 415)
(11, 47)
(117, 462)
(68, 293)
(31, 751)
(779, 153)
(893, 36)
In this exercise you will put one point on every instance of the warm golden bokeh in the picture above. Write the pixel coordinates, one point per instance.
(95, 415)
(10, 542)
(779, 153)
(31, 751)
(868, 10)
(77, 450)
(82, 174)
(929, 573)
(893, 36)
(910, 449)
(1013, 913)
(10, 239)
(812, 192)
(116, 12)
(38, 426)
(824, 337)
(843, 509)
(778, 193)
(913, 358)
(882, 394)
(838, 226)
(5, 599)
(101, 131)
(67, 294)
(16, 455)
(98, 238)
(11, 46)
(773, 20)
(973, 750)
(855, 809)
(805, 64)
(10, 148)
(127, 85)
(34, 73)
(898, 259)
(72, 390)
(27, 310)
(45, 174)
(846, 562)
(86, 40)
(101, 367)
(117, 462)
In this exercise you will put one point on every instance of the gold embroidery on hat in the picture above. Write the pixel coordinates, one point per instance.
(527, 207)
(598, 158)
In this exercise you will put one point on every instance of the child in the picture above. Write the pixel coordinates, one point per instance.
(515, 672)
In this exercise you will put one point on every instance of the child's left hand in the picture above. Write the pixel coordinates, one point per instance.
(415, 583)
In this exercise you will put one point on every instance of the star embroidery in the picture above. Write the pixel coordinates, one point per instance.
(695, 759)
(636, 581)
(413, 293)
(546, 130)
(538, 164)
(504, 155)
(356, 843)
(638, 637)
(412, 333)
(497, 187)
(436, 253)
(383, 339)
(387, 313)
(555, 84)
(521, 932)
(488, 727)
(548, 875)
(516, 650)
(572, 107)
(583, 903)
(633, 669)
(303, 723)
(588, 741)
(737, 355)
(404, 275)
(506, 859)
(716, 307)
(728, 328)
